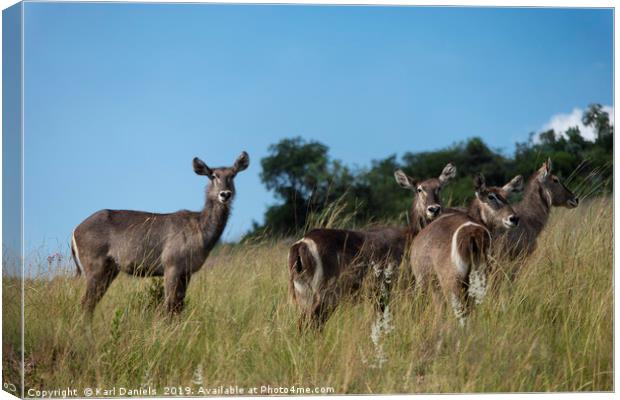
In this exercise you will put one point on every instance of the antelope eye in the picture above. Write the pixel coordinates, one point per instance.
(555, 179)
(492, 196)
(419, 190)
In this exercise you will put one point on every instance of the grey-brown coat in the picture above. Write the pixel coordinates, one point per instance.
(453, 249)
(542, 192)
(173, 245)
(328, 263)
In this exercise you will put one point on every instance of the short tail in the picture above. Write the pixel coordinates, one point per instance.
(299, 260)
(76, 259)
(475, 246)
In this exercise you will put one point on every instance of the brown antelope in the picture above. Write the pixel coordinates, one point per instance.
(140, 243)
(453, 249)
(543, 191)
(329, 263)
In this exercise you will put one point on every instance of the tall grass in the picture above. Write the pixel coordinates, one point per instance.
(333, 215)
(549, 329)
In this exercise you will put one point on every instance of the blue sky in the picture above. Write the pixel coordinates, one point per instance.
(120, 97)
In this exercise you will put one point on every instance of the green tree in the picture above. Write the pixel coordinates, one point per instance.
(598, 118)
(377, 194)
(294, 167)
(587, 163)
(303, 179)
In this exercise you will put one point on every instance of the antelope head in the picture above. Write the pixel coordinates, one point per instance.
(492, 206)
(553, 191)
(426, 194)
(221, 186)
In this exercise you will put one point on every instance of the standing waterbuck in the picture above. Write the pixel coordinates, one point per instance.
(329, 263)
(453, 249)
(141, 243)
(543, 191)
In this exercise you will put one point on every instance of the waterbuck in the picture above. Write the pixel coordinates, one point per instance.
(543, 191)
(329, 263)
(454, 248)
(141, 243)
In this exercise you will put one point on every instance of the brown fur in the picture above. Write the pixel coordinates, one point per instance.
(140, 243)
(348, 257)
(543, 191)
(298, 257)
(432, 256)
(475, 245)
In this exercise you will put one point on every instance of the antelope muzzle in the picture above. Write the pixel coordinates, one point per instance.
(433, 211)
(511, 221)
(225, 196)
(573, 203)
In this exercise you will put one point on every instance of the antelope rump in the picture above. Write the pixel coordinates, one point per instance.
(328, 263)
(453, 250)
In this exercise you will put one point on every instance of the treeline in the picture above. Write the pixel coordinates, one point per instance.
(305, 179)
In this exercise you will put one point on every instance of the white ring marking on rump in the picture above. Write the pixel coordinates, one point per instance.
(77, 252)
(318, 272)
(461, 265)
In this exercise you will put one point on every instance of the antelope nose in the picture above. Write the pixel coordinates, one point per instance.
(225, 194)
(434, 209)
(572, 203)
(514, 219)
(298, 267)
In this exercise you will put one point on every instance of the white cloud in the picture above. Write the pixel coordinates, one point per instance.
(561, 122)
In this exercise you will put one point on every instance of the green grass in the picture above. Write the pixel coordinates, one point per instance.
(548, 330)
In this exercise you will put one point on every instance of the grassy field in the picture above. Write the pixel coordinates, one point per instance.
(551, 329)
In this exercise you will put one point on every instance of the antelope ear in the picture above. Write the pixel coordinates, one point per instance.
(201, 168)
(449, 172)
(548, 163)
(545, 169)
(242, 162)
(480, 183)
(405, 182)
(514, 186)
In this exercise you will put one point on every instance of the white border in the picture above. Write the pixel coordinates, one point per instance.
(479, 3)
